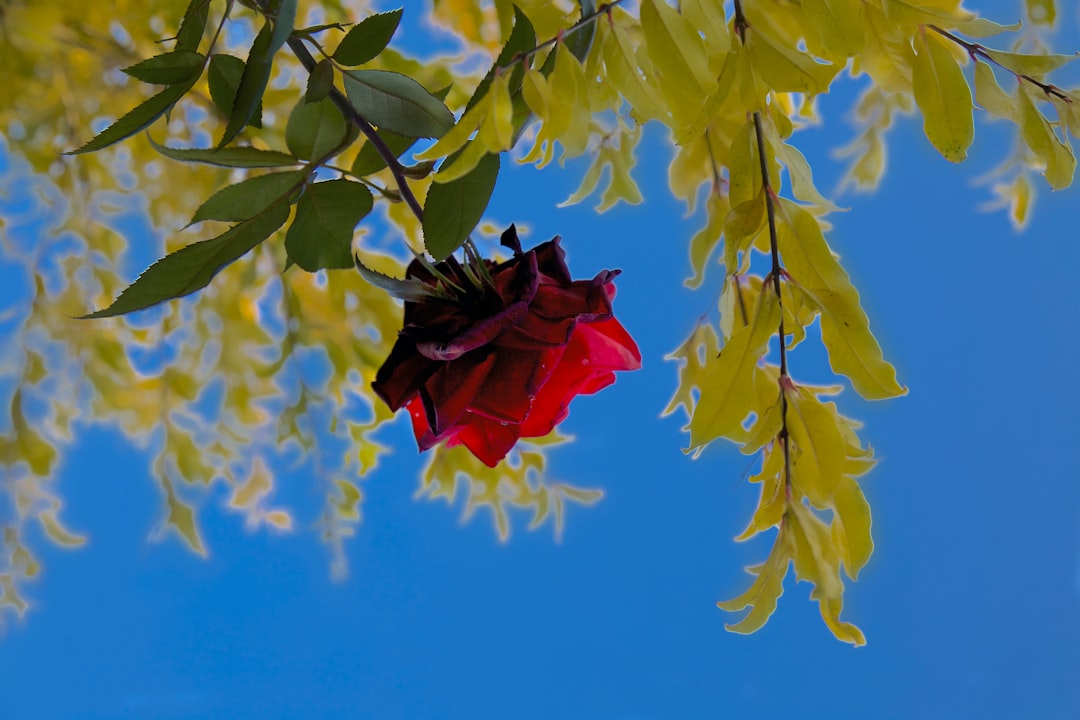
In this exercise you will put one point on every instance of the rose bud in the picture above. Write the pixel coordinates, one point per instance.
(502, 354)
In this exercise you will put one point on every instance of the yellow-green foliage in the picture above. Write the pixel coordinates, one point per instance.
(574, 79)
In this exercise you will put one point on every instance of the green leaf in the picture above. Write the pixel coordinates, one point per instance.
(314, 129)
(249, 198)
(192, 25)
(369, 161)
(193, 267)
(223, 78)
(453, 209)
(581, 41)
(284, 19)
(137, 119)
(367, 38)
(252, 84)
(397, 103)
(168, 69)
(522, 38)
(326, 215)
(943, 96)
(236, 157)
(320, 82)
(409, 290)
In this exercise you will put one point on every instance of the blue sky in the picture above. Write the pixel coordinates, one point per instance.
(971, 603)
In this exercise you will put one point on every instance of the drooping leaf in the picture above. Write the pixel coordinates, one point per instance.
(249, 197)
(320, 235)
(235, 157)
(367, 38)
(180, 66)
(193, 267)
(727, 393)
(989, 95)
(785, 68)
(676, 50)
(763, 594)
(453, 209)
(252, 83)
(943, 96)
(397, 103)
(837, 24)
(1043, 141)
(137, 119)
(1027, 64)
(522, 38)
(224, 77)
(315, 129)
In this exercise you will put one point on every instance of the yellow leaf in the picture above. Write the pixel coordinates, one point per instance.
(727, 393)
(845, 329)
(9, 597)
(1040, 138)
(773, 499)
(943, 96)
(677, 51)
(497, 130)
(707, 238)
(1041, 12)
(818, 455)
(623, 74)
(787, 69)
(456, 137)
(1034, 65)
(693, 355)
(765, 591)
(851, 526)
(989, 95)
(837, 24)
(279, 519)
(707, 16)
(56, 531)
(182, 519)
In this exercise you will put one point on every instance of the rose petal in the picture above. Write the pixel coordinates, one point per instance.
(488, 440)
(450, 390)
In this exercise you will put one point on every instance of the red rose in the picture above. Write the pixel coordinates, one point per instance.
(495, 363)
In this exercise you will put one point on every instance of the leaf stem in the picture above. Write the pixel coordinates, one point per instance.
(775, 273)
(602, 9)
(977, 51)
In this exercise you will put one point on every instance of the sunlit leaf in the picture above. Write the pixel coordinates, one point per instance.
(367, 38)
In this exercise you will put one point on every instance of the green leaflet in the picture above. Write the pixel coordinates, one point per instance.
(193, 25)
(320, 82)
(314, 129)
(223, 77)
(193, 267)
(367, 38)
(249, 197)
(369, 161)
(397, 103)
(320, 235)
(137, 119)
(168, 69)
(453, 209)
(252, 84)
(236, 157)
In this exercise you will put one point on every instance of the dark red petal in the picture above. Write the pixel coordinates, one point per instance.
(510, 387)
(399, 378)
(448, 393)
(551, 260)
(476, 335)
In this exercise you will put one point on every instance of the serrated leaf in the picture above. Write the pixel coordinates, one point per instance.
(284, 19)
(943, 96)
(326, 215)
(407, 289)
(522, 38)
(320, 82)
(234, 157)
(315, 129)
(192, 26)
(397, 103)
(453, 209)
(168, 69)
(367, 38)
(249, 197)
(223, 78)
(193, 267)
(137, 119)
(252, 83)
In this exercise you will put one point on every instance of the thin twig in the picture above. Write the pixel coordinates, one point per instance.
(976, 51)
(602, 9)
